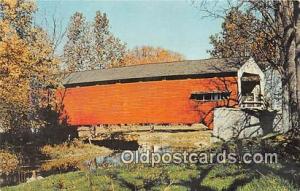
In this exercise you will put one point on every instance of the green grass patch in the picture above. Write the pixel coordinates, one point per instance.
(164, 177)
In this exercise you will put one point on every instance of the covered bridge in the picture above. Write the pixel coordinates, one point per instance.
(183, 92)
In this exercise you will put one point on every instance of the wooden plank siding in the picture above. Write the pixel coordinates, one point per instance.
(151, 102)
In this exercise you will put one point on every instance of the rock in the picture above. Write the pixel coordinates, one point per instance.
(199, 126)
(34, 177)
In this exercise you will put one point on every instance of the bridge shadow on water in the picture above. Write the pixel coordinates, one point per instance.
(118, 145)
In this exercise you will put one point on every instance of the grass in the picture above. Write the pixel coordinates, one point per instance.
(166, 177)
(216, 177)
(178, 139)
(71, 154)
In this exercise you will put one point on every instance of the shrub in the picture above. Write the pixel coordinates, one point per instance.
(8, 162)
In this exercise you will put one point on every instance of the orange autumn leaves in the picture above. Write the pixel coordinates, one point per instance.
(148, 55)
(243, 35)
(27, 62)
(8, 162)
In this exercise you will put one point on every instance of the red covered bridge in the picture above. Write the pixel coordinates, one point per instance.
(183, 92)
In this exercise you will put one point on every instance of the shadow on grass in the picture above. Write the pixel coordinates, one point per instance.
(195, 183)
(239, 182)
(288, 171)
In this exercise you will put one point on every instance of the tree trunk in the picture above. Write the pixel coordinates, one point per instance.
(286, 118)
(297, 18)
(288, 60)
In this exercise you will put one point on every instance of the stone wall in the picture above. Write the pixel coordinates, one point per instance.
(235, 123)
(273, 89)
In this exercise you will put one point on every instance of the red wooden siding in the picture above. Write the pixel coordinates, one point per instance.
(158, 102)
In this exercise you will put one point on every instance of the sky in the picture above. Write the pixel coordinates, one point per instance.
(175, 25)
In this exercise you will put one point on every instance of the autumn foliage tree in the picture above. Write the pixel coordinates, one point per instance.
(148, 55)
(243, 35)
(27, 64)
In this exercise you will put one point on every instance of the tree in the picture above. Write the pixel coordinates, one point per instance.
(109, 50)
(274, 30)
(297, 18)
(243, 35)
(148, 55)
(27, 64)
(77, 50)
(285, 21)
(91, 45)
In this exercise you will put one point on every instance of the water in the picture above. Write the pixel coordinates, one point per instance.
(115, 158)
(118, 145)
